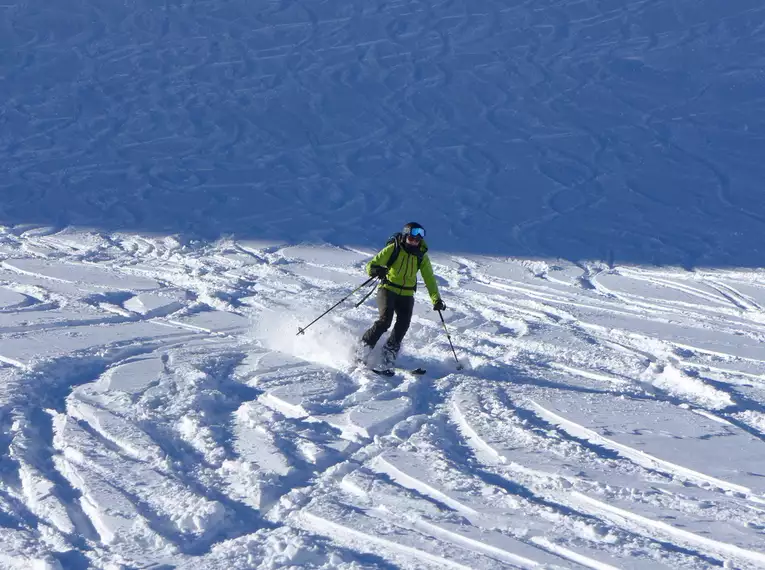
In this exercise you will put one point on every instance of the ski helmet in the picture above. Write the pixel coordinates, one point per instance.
(414, 229)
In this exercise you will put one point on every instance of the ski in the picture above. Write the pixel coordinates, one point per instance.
(392, 371)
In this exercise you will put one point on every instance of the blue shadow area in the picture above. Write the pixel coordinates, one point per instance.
(622, 131)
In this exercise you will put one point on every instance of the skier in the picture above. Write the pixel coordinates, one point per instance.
(397, 265)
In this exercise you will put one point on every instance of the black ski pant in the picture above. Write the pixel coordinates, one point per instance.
(388, 304)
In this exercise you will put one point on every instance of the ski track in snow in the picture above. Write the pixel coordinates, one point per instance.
(179, 420)
(157, 409)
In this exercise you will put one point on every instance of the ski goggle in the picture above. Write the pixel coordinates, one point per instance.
(419, 233)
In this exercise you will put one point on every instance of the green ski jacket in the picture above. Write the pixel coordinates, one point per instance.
(402, 276)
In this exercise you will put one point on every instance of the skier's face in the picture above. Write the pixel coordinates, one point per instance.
(415, 235)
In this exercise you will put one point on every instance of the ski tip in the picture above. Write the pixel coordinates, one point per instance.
(383, 372)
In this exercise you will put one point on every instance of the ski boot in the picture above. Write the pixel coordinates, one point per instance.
(389, 355)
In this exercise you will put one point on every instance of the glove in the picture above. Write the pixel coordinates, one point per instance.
(379, 271)
(439, 305)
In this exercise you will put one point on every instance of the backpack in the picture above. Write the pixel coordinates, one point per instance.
(397, 238)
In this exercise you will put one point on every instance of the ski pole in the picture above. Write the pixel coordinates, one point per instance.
(301, 330)
(448, 336)
(372, 290)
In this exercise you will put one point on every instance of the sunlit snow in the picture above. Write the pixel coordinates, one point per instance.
(186, 184)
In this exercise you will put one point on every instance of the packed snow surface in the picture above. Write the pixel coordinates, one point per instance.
(184, 184)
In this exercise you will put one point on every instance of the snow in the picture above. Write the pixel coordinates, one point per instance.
(186, 186)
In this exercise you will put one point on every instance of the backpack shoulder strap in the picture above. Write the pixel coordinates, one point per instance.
(395, 239)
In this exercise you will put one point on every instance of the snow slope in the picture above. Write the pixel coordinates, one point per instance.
(159, 410)
(185, 184)
(627, 131)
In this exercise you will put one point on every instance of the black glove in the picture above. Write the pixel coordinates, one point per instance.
(439, 305)
(379, 271)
